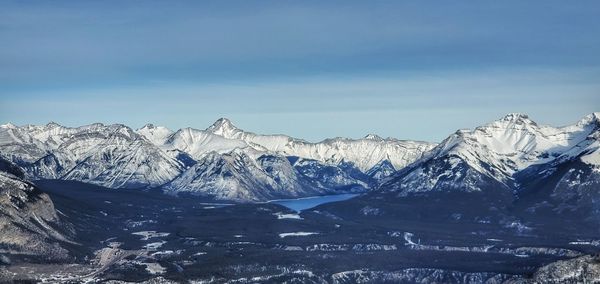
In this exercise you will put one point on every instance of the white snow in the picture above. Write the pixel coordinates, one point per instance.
(146, 235)
(164, 252)
(494, 240)
(155, 134)
(592, 158)
(154, 268)
(297, 234)
(590, 243)
(281, 215)
(154, 246)
(408, 238)
(198, 143)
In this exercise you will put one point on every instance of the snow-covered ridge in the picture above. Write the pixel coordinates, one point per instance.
(365, 153)
(156, 134)
(223, 137)
(109, 155)
(495, 153)
(231, 163)
(520, 140)
(517, 141)
(222, 161)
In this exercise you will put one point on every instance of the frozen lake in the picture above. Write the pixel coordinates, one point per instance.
(299, 204)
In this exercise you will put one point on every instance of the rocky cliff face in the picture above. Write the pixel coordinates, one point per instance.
(584, 269)
(29, 224)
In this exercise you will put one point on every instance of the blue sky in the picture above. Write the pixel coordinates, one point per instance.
(311, 69)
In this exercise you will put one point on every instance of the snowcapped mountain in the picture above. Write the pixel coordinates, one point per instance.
(18, 145)
(364, 153)
(226, 162)
(155, 134)
(238, 176)
(112, 156)
(198, 143)
(501, 155)
(571, 181)
(222, 161)
(223, 137)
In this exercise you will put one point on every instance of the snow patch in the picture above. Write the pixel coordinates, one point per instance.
(154, 246)
(297, 234)
(146, 235)
(281, 215)
(154, 268)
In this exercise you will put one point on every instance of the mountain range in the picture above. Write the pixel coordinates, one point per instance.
(224, 162)
(506, 199)
(513, 158)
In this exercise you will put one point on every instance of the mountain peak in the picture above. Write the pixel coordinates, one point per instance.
(223, 127)
(152, 127)
(223, 122)
(52, 124)
(156, 134)
(515, 116)
(514, 119)
(373, 137)
(591, 118)
(149, 127)
(8, 125)
(97, 124)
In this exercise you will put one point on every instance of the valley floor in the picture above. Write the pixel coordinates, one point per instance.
(135, 236)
